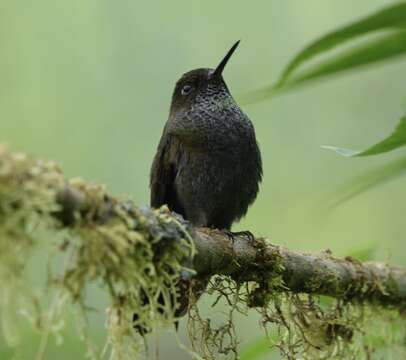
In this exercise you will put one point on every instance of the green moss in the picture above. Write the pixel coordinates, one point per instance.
(136, 256)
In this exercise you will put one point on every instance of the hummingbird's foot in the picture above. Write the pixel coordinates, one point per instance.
(247, 234)
(229, 234)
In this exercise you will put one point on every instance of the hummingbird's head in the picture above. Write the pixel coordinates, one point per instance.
(201, 87)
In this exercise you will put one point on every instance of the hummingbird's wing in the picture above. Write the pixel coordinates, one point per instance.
(163, 173)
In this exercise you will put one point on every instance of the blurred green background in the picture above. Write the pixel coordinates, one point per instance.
(88, 84)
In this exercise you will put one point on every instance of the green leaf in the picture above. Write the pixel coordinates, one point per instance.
(389, 24)
(388, 18)
(384, 48)
(370, 179)
(395, 140)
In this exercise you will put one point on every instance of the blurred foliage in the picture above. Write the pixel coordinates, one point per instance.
(89, 84)
(382, 174)
(370, 179)
(395, 140)
(393, 17)
(365, 52)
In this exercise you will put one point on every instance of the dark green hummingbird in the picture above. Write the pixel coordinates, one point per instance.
(208, 164)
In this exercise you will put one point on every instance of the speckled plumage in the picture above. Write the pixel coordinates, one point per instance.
(208, 164)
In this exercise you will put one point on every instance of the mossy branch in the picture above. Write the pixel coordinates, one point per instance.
(138, 255)
(318, 274)
(258, 260)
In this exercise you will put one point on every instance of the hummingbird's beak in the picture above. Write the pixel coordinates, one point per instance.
(220, 67)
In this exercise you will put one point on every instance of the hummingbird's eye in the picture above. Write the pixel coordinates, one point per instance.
(186, 90)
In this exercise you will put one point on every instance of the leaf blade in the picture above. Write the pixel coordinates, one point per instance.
(386, 47)
(379, 175)
(394, 141)
(387, 18)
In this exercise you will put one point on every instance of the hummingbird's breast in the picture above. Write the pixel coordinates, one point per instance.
(217, 123)
(215, 185)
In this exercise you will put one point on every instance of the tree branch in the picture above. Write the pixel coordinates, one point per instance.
(140, 257)
(320, 274)
(30, 186)
(259, 260)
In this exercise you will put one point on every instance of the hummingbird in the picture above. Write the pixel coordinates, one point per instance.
(208, 165)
